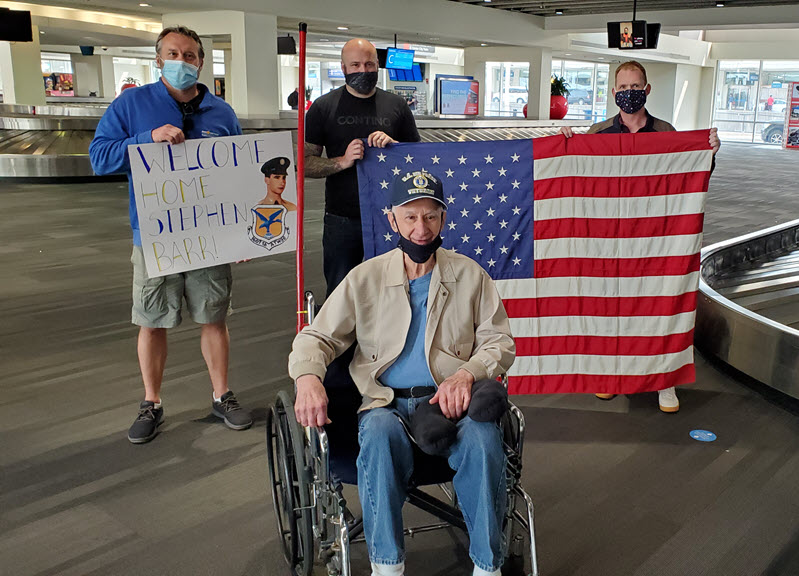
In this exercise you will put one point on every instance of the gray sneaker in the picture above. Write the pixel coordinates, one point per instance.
(229, 410)
(145, 427)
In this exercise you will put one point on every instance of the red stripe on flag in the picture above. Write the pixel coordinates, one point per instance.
(600, 306)
(621, 144)
(616, 267)
(604, 345)
(615, 187)
(618, 227)
(589, 383)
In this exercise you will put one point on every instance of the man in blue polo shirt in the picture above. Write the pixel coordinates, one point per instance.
(171, 110)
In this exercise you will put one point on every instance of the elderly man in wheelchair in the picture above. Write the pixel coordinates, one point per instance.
(431, 338)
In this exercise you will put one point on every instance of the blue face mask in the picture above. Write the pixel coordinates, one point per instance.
(180, 74)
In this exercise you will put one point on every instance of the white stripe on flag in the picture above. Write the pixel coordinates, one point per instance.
(623, 166)
(649, 247)
(602, 326)
(601, 287)
(644, 207)
(601, 365)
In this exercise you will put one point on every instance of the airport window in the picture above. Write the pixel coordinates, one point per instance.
(588, 88)
(506, 88)
(751, 99)
(219, 62)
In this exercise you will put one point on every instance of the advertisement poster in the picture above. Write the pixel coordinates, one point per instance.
(790, 138)
(416, 99)
(459, 97)
(210, 201)
(58, 84)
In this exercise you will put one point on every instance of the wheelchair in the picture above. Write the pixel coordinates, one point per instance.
(308, 468)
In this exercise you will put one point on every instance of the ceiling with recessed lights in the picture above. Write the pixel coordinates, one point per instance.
(584, 7)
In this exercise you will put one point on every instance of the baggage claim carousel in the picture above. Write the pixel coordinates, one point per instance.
(748, 309)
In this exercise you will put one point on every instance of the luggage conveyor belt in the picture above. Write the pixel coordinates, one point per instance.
(748, 306)
(35, 146)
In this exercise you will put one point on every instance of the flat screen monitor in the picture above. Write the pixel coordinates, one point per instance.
(458, 96)
(652, 35)
(286, 45)
(381, 57)
(15, 25)
(630, 35)
(412, 75)
(399, 59)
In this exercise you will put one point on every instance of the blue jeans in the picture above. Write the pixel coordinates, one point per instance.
(385, 465)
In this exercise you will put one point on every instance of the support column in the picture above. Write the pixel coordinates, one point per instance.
(21, 69)
(228, 76)
(207, 73)
(108, 82)
(538, 88)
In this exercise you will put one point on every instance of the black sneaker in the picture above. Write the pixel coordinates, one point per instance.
(228, 408)
(145, 428)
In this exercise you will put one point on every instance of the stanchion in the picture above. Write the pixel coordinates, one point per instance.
(301, 320)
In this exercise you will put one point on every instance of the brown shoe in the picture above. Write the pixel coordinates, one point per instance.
(605, 396)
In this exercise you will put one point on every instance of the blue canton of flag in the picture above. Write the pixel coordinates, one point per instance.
(488, 188)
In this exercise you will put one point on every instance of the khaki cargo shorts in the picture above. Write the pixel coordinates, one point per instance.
(157, 302)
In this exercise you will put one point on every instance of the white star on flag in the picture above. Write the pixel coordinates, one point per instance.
(515, 184)
(516, 261)
(386, 210)
(478, 250)
(387, 237)
(516, 235)
(384, 185)
(489, 159)
(451, 199)
(490, 211)
(491, 237)
(516, 210)
(503, 224)
(515, 157)
(491, 263)
(489, 186)
(478, 225)
(501, 171)
(462, 159)
(465, 213)
(435, 159)
(408, 159)
(396, 171)
(475, 173)
(464, 186)
(476, 198)
(464, 238)
(502, 198)
(381, 157)
(452, 225)
(450, 173)
(503, 249)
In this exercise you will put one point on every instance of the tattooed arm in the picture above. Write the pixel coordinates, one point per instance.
(318, 167)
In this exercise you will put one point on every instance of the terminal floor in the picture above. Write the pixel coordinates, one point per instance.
(620, 488)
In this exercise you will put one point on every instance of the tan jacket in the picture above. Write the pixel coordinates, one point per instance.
(467, 326)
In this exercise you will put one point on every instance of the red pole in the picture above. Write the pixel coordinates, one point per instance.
(301, 320)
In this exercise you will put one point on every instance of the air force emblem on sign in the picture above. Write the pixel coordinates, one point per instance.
(268, 228)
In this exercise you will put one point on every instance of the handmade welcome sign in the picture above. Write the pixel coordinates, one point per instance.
(210, 201)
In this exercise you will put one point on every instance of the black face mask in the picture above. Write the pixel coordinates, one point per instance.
(361, 82)
(419, 253)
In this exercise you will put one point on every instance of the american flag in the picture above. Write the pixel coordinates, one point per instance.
(594, 243)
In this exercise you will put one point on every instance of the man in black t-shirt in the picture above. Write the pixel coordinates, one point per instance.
(337, 122)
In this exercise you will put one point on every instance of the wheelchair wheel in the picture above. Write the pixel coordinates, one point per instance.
(290, 480)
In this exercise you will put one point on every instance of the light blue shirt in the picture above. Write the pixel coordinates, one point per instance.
(410, 368)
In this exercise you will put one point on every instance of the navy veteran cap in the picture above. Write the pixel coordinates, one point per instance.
(276, 166)
(414, 185)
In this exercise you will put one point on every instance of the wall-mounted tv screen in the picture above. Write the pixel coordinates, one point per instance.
(15, 25)
(399, 59)
(412, 75)
(629, 35)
